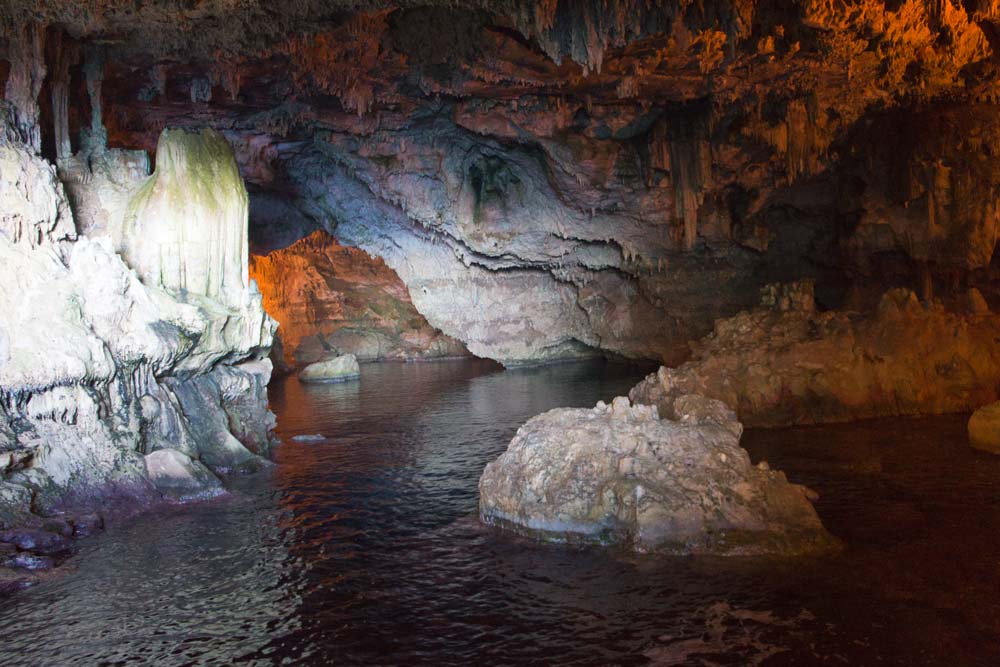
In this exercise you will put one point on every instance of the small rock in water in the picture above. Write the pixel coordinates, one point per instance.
(338, 369)
(984, 428)
(86, 525)
(315, 437)
(12, 581)
(30, 561)
(40, 541)
(178, 476)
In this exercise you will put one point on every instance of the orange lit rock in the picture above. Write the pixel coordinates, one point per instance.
(330, 299)
(984, 428)
(779, 366)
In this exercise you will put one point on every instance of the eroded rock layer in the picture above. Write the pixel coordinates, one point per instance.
(331, 299)
(558, 178)
(785, 363)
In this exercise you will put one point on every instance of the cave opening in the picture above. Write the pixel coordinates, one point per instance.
(704, 298)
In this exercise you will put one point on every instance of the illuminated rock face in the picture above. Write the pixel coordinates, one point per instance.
(338, 369)
(186, 228)
(777, 366)
(984, 428)
(331, 299)
(620, 475)
(563, 178)
(99, 367)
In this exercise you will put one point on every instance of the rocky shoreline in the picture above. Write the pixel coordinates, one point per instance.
(133, 357)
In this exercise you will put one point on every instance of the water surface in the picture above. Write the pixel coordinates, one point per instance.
(363, 549)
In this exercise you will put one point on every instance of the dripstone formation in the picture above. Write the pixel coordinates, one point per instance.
(133, 356)
(560, 179)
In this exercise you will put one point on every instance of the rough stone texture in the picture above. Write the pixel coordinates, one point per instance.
(558, 178)
(338, 369)
(99, 367)
(984, 428)
(186, 227)
(331, 299)
(776, 366)
(177, 476)
(620, 475)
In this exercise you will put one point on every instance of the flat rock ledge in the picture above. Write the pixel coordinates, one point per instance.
(620, 475)
(338, 369)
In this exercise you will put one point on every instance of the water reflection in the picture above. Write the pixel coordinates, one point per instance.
(363, 549)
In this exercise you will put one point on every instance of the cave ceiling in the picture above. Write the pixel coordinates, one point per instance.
(639, 154)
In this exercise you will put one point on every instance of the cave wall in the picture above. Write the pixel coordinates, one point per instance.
(333, 300)
(130, 329)
(560, 178)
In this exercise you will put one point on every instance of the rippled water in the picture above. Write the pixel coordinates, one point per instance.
(363, 549)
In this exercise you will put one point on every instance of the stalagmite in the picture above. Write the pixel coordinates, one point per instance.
(186, 228)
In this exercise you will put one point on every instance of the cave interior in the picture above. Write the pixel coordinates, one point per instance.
(760, 214)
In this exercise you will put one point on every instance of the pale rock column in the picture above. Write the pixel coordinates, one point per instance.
(186, 228)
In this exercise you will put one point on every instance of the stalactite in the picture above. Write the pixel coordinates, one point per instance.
(24, 83)
(94, 140)
(64, 54)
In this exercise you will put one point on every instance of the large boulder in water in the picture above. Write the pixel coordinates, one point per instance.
(620, 475)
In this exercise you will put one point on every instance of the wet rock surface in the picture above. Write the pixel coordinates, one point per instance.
(984, 428)
(620, 475)
(176, 475)
(786, 363)
(117, 344)
(338, 369)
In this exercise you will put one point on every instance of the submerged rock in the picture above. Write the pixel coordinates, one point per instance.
(177, 476)
(785, 363)
(338, 369)
(620, 475)
(984, 428)
(315, 437)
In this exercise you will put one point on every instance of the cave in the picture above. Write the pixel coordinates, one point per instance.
(568, 332)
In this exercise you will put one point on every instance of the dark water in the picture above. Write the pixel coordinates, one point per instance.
(362, 550)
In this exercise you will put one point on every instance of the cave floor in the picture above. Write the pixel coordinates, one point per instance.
(362, 548)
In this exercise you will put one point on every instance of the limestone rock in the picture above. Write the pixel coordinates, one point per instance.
(984, 428)
(186, 228)
(620, 475)
(331, 297)
(99, 367)
(780, 367)
(33, 207)
(338, 369)
(177, 476)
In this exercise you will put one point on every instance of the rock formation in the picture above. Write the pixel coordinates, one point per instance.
(785, 363)
(338, 369)
(108, 359)
(332, 299)
(619, 474)
(564, 178)
(984, 428)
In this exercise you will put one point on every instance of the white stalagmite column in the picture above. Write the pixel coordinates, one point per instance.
(186, 228)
